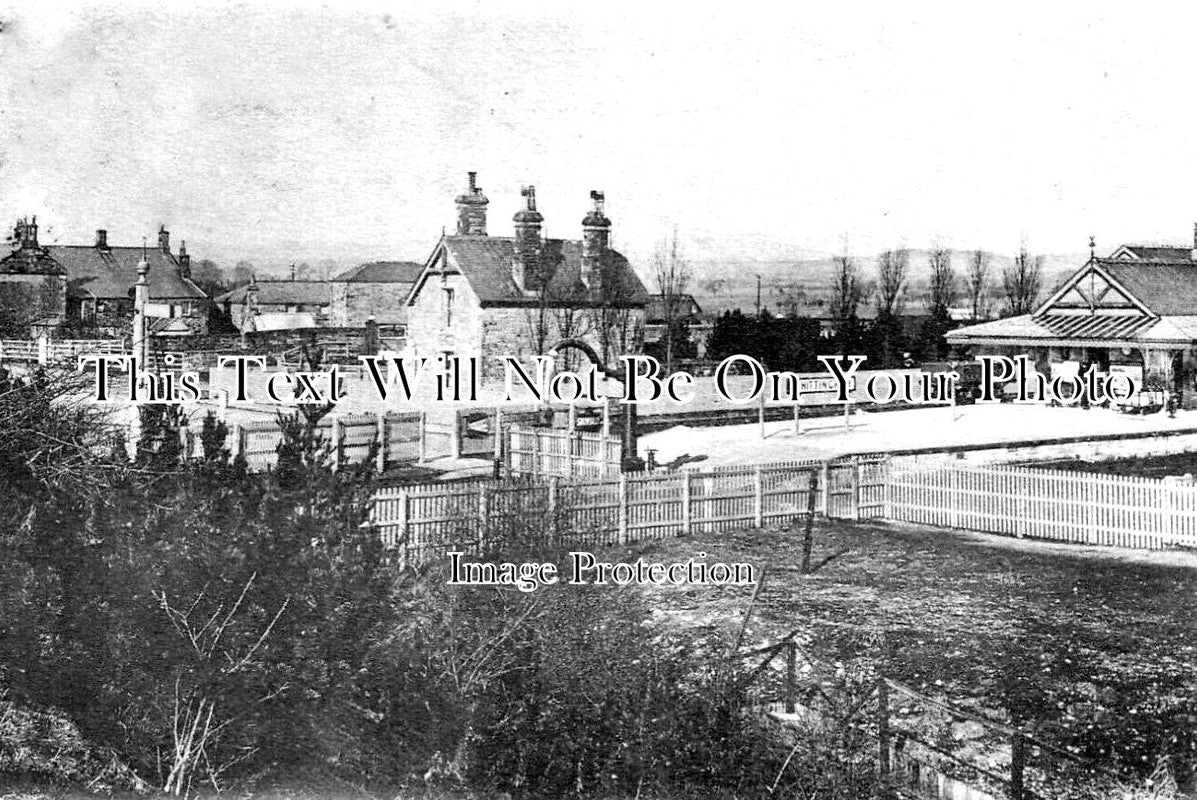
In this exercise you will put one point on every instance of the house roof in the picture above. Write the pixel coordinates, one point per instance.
(485, 262)
(1151, 252)
(282, 293)
(382, 272)
(1165, 288)
(282, 321)
(165, 326)
(111, 272)
(684, 304)
(30, 261)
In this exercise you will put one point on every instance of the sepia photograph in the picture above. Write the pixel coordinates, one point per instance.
(621, 401)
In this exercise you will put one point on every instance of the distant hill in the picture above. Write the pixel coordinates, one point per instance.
(721, 285)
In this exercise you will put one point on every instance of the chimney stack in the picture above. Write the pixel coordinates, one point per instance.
(101, 239)
(184, 260)
(163, 239)
(526, 261)
(25, 234)
(471, 210)
(596, 238)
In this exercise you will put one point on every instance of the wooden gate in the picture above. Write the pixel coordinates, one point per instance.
(854, 487)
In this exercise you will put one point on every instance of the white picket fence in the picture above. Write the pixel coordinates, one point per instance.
(421, 523)
(398, 437)
(1115, 510)
(544, 452)
(55, 351)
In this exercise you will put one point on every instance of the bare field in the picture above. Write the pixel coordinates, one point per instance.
(1093, 646)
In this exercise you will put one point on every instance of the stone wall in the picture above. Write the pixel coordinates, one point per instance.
(354, 303)
(432, 330)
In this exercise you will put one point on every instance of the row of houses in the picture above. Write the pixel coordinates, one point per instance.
(475, 295)
(490, 296)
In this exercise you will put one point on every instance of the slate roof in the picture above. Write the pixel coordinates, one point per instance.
(110, 273)
(1167, 289)
(283, 293)
(30, 262)
(684, 304)
(382, 272)
(485, 261)
(1151, 252)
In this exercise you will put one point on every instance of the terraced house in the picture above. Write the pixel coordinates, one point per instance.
(488, 296)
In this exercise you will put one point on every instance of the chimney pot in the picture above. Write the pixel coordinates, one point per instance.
(163, 239)
(101, 238)
(471, 209)
(596, 238)
(526, 264)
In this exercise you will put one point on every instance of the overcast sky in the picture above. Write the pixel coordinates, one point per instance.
(299, 132)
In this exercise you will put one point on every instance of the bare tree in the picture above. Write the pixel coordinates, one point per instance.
(891, 295)
(847, 290)
(891, 281)
(942, 287)
(612, 319)
(672, 273)
(196, 723)
(976, 282)
(791, 297)
(1022, 281)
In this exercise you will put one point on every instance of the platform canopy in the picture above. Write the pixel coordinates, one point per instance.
(1127, 300)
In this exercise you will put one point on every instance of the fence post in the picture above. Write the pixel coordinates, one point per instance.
(856, 488)
(791, 676)
(498, 432)
(1018, 762)
(483, 517)
(383, 430)
(455, 438)
(403, 532)
(883, 753)
(686, 515)
(623, 509)
(954, 498)
(423, 437)
(825, 482)
(535, 437)
(759, 496)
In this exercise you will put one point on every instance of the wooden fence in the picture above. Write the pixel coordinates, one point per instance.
(398, 436)
(423, 522)
(1116, 510)
(48, 351)
(544, 452)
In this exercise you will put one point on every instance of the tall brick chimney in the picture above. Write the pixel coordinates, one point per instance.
(471, 210)
(101, 239)
(25, 234)
(184, 260)
(526, 261)
(163, 239)
(596, 238)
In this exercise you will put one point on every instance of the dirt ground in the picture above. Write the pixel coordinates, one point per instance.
(1095, 647)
